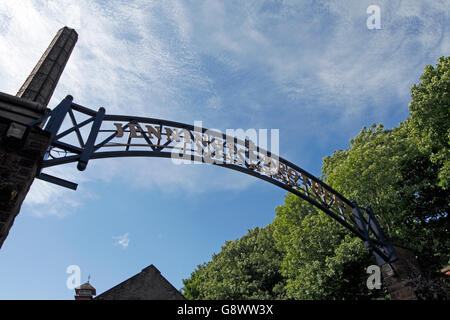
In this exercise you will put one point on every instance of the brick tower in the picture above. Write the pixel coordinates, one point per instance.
(22, 147)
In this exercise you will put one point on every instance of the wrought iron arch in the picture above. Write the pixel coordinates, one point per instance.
(169, 139)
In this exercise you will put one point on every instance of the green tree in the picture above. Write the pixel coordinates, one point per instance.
(192, 289)
(322, 260)
(246, 268)
(401, 173)
(430, 116)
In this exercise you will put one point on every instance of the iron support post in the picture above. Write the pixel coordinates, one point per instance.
(89, 146)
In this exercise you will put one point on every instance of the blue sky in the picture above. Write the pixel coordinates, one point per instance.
(311, 69)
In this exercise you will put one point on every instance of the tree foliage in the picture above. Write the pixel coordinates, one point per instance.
(247, 268)
(403, 174)
(321, 260)
(399, 172)
(430, 117)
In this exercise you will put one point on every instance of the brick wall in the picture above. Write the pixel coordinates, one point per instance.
(22, 147)
(19, 160)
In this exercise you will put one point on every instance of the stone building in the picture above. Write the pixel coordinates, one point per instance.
(149, 284)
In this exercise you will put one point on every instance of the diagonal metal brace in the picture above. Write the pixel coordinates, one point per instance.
(362, 226)
(58, 181)
(57, 117)
(387, 246)
(380, 246)
(89, 146)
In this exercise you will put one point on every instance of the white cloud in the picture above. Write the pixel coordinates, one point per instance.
(130, 74)
(46, 199)
(165, 176)
(122, 241)
(324, 53)
(151, 59)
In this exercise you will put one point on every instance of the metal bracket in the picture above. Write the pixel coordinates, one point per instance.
(57, 181)
(89, 146)
(57, 116)
(386, 252)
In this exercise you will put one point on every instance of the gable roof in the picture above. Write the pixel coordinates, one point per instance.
(149, 284)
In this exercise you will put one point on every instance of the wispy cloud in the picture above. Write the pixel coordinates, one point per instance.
(45, 199)
(252, 64)
(122, 241)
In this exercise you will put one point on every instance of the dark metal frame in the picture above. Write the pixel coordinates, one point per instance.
(360, 221)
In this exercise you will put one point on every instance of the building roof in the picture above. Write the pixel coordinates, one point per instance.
(149, 284)
(85, 286)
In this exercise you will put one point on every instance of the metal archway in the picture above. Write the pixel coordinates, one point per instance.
(115, 135)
